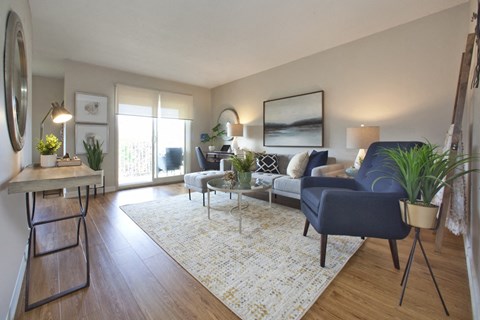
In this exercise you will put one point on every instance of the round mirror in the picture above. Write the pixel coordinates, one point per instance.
(16, 81)
(228, 115)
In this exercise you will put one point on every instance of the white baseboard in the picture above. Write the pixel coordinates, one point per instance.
(473, 279)
(12, 308)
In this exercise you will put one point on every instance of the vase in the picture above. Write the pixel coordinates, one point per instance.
(48, 161)
(244, 178)
(211, 148)
(420, 216)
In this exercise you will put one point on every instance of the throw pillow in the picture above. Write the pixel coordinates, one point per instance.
(267, 163)
(316, 159)
(296, 166)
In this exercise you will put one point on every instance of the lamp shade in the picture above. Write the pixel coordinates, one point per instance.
(59, 113)
(362, 137)
(235, 130)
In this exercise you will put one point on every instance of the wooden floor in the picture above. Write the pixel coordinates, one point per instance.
(132, 278)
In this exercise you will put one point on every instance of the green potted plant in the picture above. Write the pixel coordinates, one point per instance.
(217, 132)
(243, 166)
(95, 154)
(48, 149)
(423, 171)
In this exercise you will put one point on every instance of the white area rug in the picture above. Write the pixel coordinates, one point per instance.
(270, 271)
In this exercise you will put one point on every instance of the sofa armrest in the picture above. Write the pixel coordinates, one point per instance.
(225, 165)
(328, 170)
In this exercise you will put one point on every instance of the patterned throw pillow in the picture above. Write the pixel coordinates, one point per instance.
(267, 163)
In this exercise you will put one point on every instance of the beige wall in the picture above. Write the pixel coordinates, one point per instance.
(403, 80)
(13, 224)
(44, 92)
(98, 80)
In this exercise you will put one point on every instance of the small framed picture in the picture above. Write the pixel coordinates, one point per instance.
(90, 133)
(90, 108)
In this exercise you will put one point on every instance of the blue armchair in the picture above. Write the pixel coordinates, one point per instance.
(339, 206)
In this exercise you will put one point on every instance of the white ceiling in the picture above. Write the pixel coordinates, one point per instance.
(206, 42)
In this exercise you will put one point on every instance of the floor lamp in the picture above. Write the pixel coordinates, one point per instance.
(360, 138)
(234, 130)
(59, 115)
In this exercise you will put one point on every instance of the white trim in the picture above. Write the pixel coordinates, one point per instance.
(12, 308)
(472, 279)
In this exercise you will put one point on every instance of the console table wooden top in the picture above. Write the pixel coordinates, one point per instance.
(35, 178)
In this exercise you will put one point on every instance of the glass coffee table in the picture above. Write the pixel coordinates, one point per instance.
(255, 185)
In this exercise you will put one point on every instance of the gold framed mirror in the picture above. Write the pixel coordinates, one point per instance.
(16, 80)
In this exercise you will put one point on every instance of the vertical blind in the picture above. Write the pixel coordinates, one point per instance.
(143, 102)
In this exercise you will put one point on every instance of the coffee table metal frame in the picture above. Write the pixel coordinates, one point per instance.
(255, 185)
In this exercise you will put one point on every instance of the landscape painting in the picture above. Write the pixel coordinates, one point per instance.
(295, 121)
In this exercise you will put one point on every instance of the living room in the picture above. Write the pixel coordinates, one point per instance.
(402, 79)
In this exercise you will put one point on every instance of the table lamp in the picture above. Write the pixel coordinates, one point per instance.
(234, 130)
(361, 138)
(59, 115)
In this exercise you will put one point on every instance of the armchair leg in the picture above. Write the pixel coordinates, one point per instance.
(189, 195)
(323, 250)
(305, 229)
(394, 250)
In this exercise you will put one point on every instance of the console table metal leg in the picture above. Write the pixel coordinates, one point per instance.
(31, 242)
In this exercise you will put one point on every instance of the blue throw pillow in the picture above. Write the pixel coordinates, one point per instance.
(316, 159)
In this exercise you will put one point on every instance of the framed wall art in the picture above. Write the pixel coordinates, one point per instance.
(295, 121)
(90, 133)
(90, 108)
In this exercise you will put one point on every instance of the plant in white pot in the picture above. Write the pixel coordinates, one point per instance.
(423, 172)
(95, 156)
(217, 132)
(48, 150)
(243, 166)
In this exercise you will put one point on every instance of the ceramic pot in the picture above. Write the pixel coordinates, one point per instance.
(244, 178)
(211, 148)
(418, 215)
(48, 161)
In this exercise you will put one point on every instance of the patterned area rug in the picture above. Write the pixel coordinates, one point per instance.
(270, 271)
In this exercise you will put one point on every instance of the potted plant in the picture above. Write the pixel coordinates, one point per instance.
(95, 154)
(48, 149)
(243, 166)
(423, 172)
(217, 132)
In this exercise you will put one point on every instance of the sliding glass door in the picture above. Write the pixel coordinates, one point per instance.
(151, 136)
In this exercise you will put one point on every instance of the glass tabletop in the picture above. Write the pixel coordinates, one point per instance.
(255, 184)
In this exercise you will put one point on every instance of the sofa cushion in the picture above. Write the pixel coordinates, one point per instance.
(316, 159)
(265, 176)
(296, 166)
(267, 163)
(287, 184)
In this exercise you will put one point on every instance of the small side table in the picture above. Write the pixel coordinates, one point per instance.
(406, 273)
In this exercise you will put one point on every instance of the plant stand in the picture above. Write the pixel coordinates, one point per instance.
(409, 265)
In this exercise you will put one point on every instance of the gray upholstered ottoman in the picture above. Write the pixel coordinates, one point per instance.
(197, 181)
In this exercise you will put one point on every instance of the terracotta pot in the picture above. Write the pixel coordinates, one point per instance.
(48, 161)
(418, 215)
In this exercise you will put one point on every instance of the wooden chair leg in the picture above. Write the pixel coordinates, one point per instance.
(203, 194)
(305, 229)
(394, 251)
(189, 195)
(323, 250)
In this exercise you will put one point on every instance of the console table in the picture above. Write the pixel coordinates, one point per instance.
(33, 179)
